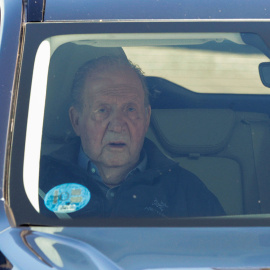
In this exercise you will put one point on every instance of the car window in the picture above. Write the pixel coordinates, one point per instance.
(206, 140)
(224, 67)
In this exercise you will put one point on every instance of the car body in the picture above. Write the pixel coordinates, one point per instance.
(33, 33)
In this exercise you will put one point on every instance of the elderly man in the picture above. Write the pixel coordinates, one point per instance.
(111, 169)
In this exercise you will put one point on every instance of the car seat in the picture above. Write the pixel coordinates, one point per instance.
(229, 151)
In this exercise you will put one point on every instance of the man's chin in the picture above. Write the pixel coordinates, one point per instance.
(118, 161)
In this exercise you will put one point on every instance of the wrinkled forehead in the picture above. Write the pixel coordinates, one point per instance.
(119, 96)
(114, 82)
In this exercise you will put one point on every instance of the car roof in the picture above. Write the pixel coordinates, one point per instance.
(55, 10)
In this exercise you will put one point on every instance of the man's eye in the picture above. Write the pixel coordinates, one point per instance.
(102, 110)
(131, 109)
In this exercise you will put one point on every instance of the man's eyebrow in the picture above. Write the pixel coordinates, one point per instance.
(112, 90)
(105, 98)
(100, 103)
(131, 103)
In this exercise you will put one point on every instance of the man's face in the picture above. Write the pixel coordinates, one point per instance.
(113, 120)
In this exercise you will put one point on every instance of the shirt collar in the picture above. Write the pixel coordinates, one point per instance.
(83, 159)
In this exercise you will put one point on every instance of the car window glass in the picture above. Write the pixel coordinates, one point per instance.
(209, 140)
(210, 68)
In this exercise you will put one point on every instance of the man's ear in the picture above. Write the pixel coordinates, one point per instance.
(74, 116)
(148, 115)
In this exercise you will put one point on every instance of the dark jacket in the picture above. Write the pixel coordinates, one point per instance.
(164, 189)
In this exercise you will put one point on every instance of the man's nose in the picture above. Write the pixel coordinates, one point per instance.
(117, 122)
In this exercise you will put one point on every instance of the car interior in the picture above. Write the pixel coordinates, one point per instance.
(224, 139)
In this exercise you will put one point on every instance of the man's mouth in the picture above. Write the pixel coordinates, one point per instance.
(117, 144)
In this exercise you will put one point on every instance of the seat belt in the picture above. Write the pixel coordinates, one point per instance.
(261, 151)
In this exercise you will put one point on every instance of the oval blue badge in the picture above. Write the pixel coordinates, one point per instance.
(67, 198)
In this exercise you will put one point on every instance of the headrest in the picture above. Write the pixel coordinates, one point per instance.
(63, 65)
(187, 131)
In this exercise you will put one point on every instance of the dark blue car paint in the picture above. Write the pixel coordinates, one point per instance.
(156, 9)
(35, 10)
(141, 248)
(11, 18)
